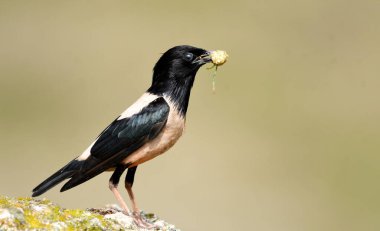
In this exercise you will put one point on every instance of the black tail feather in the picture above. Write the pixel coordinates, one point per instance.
(78, 179)
(91, 168)
(78, 171)
(64, 173)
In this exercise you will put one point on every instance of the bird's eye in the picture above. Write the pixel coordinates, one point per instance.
(189, 57)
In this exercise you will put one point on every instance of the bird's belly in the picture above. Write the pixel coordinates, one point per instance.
(166, 139)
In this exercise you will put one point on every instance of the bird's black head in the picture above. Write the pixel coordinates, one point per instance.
(174, 73)
(179, 63)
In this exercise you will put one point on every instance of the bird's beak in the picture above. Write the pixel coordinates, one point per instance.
(202, 59)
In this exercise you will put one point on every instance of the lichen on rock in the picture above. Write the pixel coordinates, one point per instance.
(42, 214)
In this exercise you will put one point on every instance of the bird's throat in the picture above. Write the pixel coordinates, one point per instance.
(178, 89)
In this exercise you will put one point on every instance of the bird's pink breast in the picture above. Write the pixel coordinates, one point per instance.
(172, 131)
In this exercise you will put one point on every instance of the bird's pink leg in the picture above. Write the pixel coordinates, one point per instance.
(136, 211)
(113, 183)
(119, 199)
(132, 198)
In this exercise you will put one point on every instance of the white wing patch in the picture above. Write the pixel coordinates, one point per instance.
(136, 107)
(86, 153)
(169, 135)
(142, 102)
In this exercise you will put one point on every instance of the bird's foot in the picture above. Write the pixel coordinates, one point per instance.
(141, 221)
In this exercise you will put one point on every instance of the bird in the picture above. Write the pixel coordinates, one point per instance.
(146, 129)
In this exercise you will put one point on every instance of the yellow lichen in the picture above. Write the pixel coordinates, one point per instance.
(34, 214)
(32, 220)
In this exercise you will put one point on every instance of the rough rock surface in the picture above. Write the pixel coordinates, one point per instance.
(36, 214)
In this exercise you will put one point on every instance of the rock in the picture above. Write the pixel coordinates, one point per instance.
(42, 214)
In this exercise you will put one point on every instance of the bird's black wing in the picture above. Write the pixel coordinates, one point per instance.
(114, 144)
(121, 138)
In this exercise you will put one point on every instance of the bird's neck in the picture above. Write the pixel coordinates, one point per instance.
(177, 89)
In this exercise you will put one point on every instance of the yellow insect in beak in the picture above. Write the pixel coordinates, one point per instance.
(219, 57)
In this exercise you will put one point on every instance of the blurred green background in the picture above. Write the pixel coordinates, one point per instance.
(290, 140)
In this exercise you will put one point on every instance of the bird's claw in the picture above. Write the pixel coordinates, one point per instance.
(140, 221)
